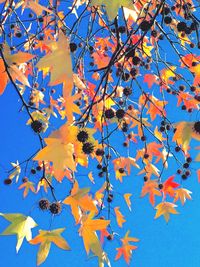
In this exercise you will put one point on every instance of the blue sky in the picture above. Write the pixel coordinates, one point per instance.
(176, 244)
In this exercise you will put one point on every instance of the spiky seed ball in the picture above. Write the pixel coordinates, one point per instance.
(37, 126)
(55, 208)
(127, 91)
(33, 171)
(154, 33)
(120, 113)
(136, 60)
(25, 180)
(110, 198)
(121, 170)
(145, 25)
(121, 29)
(82, 136)
(44, 204)
(186, 165)
(181, 26)
(88, 148)
(110, 237)
(109, 113)
(125, 127)
(160, 186)
(99, 152)
(7, 181)
(167, 20)
(197, 127)
(38, 168)
(73, 47)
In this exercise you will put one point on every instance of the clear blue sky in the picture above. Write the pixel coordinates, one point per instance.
(176, 244)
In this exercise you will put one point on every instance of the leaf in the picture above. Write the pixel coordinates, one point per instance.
(127, 199)
(168, 186)
(46, 238)
(126, 249)
(112, 7)
(20, 225)
(182, 194)
(183, 134)
(119, 217)
(27, 186)
(150, 79)
(59, 153)
(88, 232)
(12, 62)
(79, 200)
(16, 172)
(165, 208)
(52, 62)
(151, 187)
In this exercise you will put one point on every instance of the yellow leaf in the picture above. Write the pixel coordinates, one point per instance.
(88, 232)
(165, 208)
(112, 7)
(20, 225)
(60, 52)
(46, 238)
(182, 194)
(127, 199)
(119, 217)
(79, 200)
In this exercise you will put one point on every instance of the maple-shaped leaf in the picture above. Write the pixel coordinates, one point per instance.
(127, 199)
(151, 187)
(182, 194)
(185, 131)
(126, 249)
(112, 7)
(12, 61)
(59, 52)
(80, 200)
(20, 225)
(169, 185)
(60, 154)
(34, 6)
(150, 79)
(119, 217)
(164, 209)
(16, 172)
(45, 238)
(88, 232)
(27, 186)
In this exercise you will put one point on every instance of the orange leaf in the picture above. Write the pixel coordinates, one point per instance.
(119, 217)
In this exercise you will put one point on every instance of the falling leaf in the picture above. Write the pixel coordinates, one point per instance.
(20, 225)
(127, 199)
(151, 187)
(12, 66)
(80, 200)
(90, 176)
(126, 249)
(119, 217)
(88, 232)
(165, 208)
(16, 172)
(46, 238)
(182, 194)
(27, 186)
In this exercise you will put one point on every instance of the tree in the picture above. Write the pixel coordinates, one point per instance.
(97, 81)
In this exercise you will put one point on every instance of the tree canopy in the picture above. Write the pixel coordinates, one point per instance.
(111, 93)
